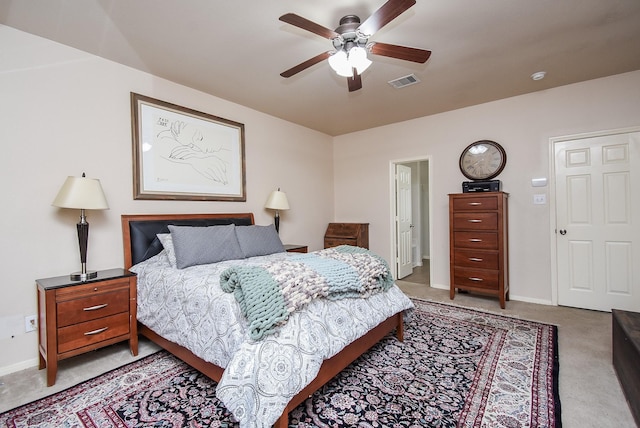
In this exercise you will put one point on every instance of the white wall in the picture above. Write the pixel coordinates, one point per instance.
(523, 126)
(64, 112)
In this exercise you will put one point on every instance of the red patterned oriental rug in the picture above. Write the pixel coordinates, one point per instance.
(456, 368)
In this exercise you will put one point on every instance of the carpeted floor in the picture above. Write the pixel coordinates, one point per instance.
(456, 367)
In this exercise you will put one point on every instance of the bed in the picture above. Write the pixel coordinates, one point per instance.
(251, 402)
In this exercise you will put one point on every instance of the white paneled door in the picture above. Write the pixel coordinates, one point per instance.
(403, 221)
(598, 221)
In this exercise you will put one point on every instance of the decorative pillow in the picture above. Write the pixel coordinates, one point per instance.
(167, 243)
(204, 245)
(259, 240)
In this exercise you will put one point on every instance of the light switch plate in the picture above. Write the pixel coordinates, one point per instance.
(540, 199)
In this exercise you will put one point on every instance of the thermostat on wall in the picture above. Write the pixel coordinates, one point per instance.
(538, 182)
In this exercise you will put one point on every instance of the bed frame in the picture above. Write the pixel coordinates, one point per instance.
(140, 243)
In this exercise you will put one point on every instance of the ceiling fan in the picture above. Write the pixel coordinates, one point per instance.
(351, 42)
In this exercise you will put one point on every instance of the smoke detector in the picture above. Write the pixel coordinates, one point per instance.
(538, 75)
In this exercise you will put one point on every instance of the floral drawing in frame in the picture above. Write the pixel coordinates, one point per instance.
(184, 154)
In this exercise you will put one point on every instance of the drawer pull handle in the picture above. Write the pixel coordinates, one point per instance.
(475, 204)
(474, 221)
(475, 259)
(96, 307)
(100, 330)
(475, 240)
(473, 278)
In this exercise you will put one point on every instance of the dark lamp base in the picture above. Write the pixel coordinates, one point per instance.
(79, 276)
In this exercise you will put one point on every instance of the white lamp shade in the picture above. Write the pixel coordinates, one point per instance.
(340, 64)
(81, 193)
(343, 63)
(358, 59)
(277, 201)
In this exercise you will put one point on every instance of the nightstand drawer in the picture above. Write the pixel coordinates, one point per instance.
(93, 307)
(293, 248)
(85, 290)
(475, 221)
(90, 332)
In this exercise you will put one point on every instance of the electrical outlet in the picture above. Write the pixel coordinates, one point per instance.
(30, 323)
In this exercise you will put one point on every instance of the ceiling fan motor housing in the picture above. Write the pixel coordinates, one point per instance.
(349, 36)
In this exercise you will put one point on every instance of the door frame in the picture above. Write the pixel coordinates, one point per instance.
(552, 196)
(392, 211)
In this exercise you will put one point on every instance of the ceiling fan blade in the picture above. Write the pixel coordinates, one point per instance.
(387, 13)
(305, 24)
(354, 82)
(304, 65)
(400, 52)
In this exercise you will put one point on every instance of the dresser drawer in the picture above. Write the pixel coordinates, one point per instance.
(477, 259)
(475, 221)
(90, 332)
(476, 240)
(92, 307)
(479, 278)
(334, 242)
(476, 203)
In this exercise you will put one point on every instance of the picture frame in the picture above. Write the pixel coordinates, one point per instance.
(184, 154)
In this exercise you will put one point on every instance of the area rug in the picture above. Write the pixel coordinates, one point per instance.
(457, 367)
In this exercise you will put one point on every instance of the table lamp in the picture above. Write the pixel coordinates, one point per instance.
(84, 194)
(277, 201)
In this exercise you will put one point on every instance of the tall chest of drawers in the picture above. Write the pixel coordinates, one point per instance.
(478, 244)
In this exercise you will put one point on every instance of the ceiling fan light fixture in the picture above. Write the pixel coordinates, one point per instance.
(340, 63)
(358, 59)
(343, 62)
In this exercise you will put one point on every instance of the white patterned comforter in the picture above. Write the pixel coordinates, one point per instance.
(189, 308)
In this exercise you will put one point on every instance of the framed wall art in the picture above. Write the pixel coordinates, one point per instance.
(183, 154)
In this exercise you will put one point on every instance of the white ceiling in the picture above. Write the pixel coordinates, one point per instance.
(483, 50)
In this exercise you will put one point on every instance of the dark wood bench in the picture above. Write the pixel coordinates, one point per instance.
(626, 356)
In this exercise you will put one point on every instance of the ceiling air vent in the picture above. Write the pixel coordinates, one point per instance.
(401, 82)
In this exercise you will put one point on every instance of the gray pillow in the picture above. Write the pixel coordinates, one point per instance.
(167, 243)
(204, 245)
(259, 240)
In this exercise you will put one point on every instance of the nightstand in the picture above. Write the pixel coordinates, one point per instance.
(75, 317)
(293, 248)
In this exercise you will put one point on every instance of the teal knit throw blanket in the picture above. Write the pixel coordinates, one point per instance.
(269, 292)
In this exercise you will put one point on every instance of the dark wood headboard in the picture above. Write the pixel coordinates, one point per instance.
(139, 230)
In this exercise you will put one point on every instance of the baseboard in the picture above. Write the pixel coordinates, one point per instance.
(511, 296)
(22, 365)
(531, 300)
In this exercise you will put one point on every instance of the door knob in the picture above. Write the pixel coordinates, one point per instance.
(563, 232)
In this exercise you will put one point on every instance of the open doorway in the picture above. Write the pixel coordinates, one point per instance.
(417, 248)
